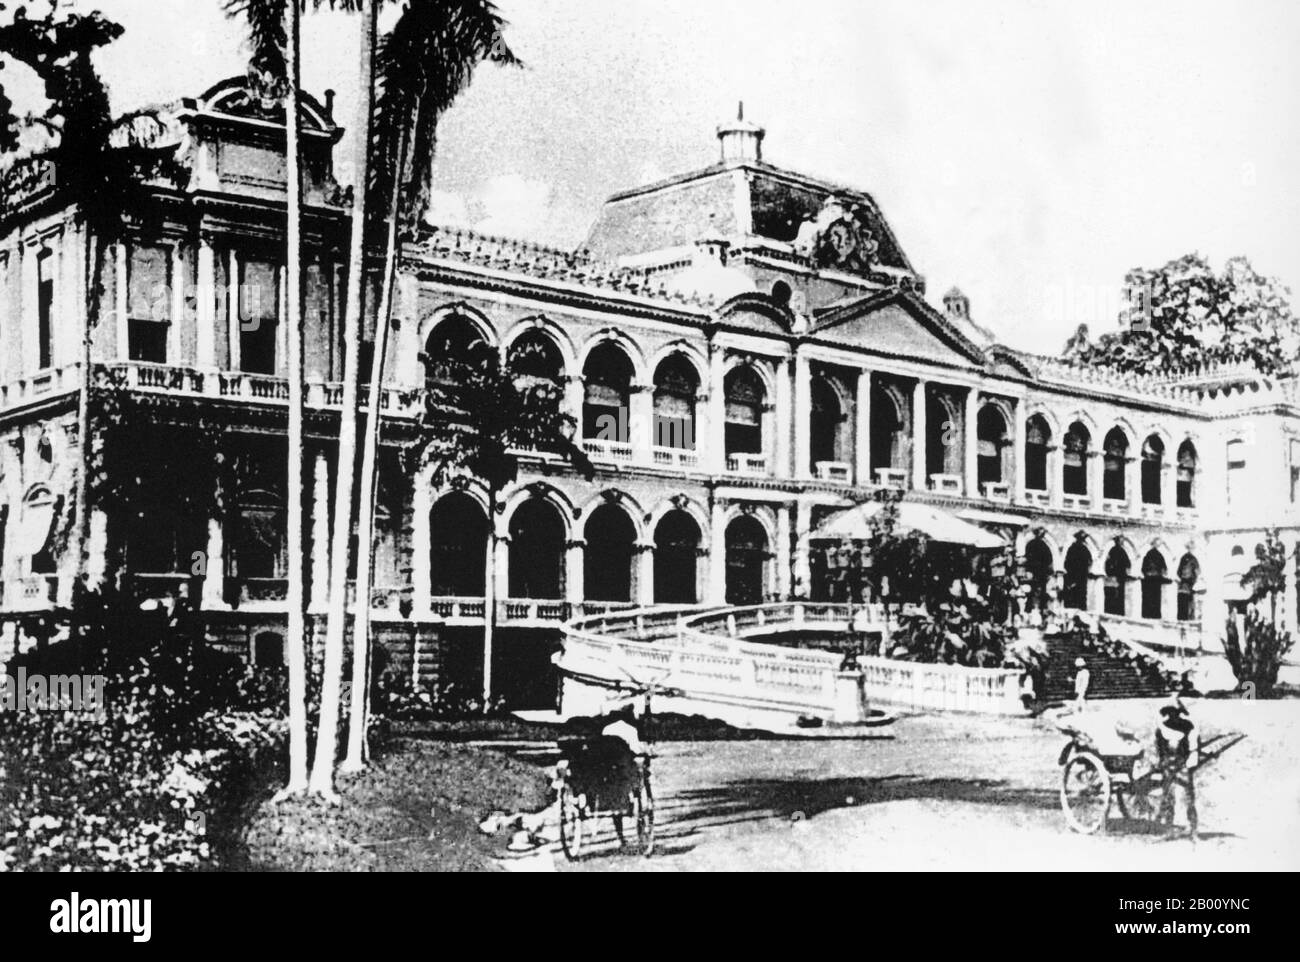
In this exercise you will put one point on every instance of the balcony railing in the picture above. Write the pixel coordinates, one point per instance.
(676, 458)
(601, 450)
(834, 471)
(1076, 502)
(1034, 496)
(946, 483)
(263, 388)
(1114, 506)
(996, 490)
(55, 380)
(746, 463)
(891, 478)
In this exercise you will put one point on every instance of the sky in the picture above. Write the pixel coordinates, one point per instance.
(1029, 153)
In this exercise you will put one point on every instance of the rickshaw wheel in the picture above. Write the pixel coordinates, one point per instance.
(645, 817)
(571, 819)
(1085, 793)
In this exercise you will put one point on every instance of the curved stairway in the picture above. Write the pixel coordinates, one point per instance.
(1112, 677)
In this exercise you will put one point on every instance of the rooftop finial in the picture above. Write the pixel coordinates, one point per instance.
(741, 140)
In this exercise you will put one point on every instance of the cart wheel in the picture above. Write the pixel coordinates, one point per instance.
(1085, 793)
(645, 817)
(571, 819)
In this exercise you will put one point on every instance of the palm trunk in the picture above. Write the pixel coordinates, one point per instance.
(356, 755)
(322, 776)
(297, 628)
(489, 599)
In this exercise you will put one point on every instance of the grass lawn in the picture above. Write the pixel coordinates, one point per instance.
(416, 808)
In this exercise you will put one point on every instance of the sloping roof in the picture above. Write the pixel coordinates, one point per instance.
(900, 323)
(748, 197)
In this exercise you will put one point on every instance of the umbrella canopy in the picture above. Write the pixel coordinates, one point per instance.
(938, 525)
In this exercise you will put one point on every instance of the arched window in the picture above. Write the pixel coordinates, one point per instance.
(745, 399)
(536, 550)
(44, 308)
(677, 545)
(1078, 570)
(943, 439)
(458, 533)
(888, 429)
(991, 446)
(1186, 494)
(607, 561)
(1115, 596)
(1154, 578)
(536, 357)
(676, 387)
(1114, 465)
(452, 345)
(1153, 463)
(606, 399)
(1038, 440)
(1074, 478)
(747, 554)
(1038, 566)
(827, 421)
(1189, 577)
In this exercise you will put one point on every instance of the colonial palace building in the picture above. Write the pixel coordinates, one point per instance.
(746, 350)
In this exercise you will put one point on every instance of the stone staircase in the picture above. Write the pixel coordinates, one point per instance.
(1112, 676)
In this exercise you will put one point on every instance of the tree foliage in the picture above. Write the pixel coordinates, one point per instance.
(481, 414)
(1184, 315)
(1256, 649)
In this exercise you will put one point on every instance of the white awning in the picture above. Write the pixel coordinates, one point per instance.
(936, 524)
(994, 517)
(34, 527)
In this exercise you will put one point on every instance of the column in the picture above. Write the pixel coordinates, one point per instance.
(862, 430)
(970, 439)
(177, 320)
(1019, 436)
(501, 576)
(641, 422)
(120, 302)
(783, 427)
(717, 587)
(1094, 464)
(784, 561)
(214, 568)
(282, 322)
(205, 306)
(232, 309)
(919, 480)
(574, 394)
(575, 556)
(320, 534)
(802, 566)
(644, 559)
(1055, 472)
(715, 454)
(802, 422)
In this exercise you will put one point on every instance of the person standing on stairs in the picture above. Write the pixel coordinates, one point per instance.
(1082, 679)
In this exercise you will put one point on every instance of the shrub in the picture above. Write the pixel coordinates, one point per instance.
(1256, 659)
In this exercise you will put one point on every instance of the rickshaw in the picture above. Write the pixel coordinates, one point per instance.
(598, 777)
(1097, 771)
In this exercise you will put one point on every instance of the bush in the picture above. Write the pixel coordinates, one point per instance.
(396, 699)
(149, 779)
(1257, 660)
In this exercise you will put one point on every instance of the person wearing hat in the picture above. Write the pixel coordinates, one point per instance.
(1082, 678)
(1177, 754)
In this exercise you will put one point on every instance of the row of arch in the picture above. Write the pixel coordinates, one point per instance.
(538, 534)
(1121, 568)
(1116, 451)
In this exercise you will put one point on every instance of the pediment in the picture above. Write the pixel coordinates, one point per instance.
(897, 324)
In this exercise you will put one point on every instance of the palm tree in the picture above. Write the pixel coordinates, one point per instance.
(275, 68)
(423, 65)
(322, 779)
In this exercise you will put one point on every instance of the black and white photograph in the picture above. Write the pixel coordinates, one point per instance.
(564, 436)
